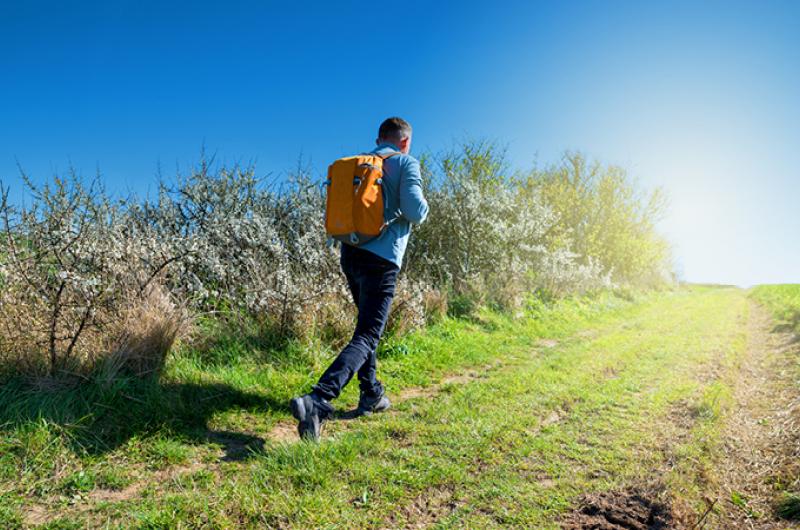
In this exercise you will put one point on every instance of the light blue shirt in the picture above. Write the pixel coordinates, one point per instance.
(403, 204)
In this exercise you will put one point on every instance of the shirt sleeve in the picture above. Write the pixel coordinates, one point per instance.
(413, 205)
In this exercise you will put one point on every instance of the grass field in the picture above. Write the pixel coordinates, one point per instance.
(675, 406)
(783, 301)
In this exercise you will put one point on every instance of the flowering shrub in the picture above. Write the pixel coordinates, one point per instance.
(70, 273)
(88, 283)
(244, 248)
(607, 219)
(489, 236)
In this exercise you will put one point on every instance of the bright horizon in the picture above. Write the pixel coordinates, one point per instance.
(700, 100)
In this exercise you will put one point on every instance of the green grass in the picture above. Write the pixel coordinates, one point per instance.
(512, 445)
(782, 300)
(789, 506)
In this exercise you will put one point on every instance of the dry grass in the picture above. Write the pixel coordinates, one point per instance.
(34, 347)
(146, 332)
(408, 311)
(434, 303)
(761, 443)
(331, 315)
(134, 339)
(19, 347)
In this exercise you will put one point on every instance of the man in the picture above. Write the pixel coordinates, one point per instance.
(371, 270)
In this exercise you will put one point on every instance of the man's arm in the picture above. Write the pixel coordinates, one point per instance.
(413, 205)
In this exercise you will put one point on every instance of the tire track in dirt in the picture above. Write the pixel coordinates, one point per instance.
(647, 503)
(434, 503)
(437, 502)
(762, 436)
(43, 512)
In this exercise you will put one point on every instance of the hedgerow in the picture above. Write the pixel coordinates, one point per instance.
(92, 285)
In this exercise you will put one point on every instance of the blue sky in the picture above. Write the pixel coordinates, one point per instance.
(701, 98)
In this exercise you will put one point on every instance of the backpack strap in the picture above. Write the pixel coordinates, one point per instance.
(387, 155)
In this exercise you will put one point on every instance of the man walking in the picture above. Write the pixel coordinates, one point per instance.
(371, 270)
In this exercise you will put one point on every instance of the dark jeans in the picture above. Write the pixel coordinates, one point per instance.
(372, 281)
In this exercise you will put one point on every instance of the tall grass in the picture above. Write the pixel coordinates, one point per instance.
(782, 300)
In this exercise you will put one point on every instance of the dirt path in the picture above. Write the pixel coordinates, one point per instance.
(762, 439)
(641, 504)
(758, 458)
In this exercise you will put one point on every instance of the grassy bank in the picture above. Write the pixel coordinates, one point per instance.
(498, 422)
(783, 301)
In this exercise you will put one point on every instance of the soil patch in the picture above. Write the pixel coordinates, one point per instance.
(632, 509)
(462, 379)
(417, 392)
(426, 509)
(284, 431)
(36, 514)
(39, 514)
(236, 445)
(161, 477)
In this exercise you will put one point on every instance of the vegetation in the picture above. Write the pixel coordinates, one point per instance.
(149, 349)
(499, 421)
(607, 219)
(95, 286)
(783, 301)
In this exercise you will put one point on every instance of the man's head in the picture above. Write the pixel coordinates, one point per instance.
(395, 131)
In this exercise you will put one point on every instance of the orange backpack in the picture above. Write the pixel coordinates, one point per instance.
(354, 204)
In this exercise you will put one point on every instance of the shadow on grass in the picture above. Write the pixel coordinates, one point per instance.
(783, 327)
(789, 322)
(347, 415)
(96, 419)
(790, 328)
(237, 446)
(788, 506)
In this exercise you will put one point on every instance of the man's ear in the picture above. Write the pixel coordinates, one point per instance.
(377, 141)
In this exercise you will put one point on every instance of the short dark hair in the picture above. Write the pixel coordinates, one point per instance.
(394, 129)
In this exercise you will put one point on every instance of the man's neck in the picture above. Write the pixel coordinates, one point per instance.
(388, 144)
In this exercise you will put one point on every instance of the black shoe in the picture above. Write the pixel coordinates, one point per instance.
(368, 405)
(310, 413)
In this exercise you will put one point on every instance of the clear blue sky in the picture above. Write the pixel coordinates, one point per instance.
(702, 98)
